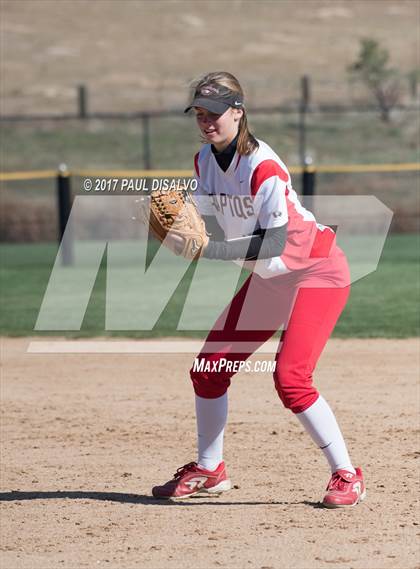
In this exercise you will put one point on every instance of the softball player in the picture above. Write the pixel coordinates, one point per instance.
(299, 281)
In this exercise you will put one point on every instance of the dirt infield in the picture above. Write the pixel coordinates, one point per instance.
(84, 437)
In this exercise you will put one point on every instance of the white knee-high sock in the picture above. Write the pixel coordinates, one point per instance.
(321, 424)
(211, 420)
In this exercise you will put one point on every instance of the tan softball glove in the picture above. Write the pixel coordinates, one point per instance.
(175, 220)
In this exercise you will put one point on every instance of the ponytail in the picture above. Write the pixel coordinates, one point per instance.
(247, 142)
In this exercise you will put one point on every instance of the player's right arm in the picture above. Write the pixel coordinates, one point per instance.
(263, 244)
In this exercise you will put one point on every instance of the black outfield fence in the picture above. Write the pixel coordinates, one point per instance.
(303, 109)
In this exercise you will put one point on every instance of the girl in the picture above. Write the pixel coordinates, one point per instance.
(300, 281)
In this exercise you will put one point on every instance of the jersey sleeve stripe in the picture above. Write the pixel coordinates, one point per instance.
(265, 170)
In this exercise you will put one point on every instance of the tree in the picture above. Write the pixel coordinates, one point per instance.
(372, 69)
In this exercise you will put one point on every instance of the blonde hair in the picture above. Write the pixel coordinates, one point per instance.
(247, 143)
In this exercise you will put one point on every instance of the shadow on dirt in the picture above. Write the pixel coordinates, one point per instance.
(122, 498)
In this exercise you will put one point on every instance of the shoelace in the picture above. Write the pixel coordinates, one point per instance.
(183, 469)
(337, 483)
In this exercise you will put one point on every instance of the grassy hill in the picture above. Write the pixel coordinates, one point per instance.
(139, 54)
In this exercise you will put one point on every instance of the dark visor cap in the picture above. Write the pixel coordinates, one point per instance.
(215, 104)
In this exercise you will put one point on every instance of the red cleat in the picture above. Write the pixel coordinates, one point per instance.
(345, 489)
(190, 480)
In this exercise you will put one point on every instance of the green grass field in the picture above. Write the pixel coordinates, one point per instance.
(383, 304)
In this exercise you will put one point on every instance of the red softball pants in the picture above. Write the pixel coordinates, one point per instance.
(305, 304)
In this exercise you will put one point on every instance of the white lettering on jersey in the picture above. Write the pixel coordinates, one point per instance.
(236, 206)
